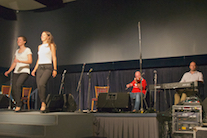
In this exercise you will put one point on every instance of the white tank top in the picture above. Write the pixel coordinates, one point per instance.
(45, 54)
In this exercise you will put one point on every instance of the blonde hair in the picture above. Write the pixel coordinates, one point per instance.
(50, 39)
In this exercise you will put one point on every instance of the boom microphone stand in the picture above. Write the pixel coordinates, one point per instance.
(62, 82)
(89, 88)
(140, 63)
(79, 86)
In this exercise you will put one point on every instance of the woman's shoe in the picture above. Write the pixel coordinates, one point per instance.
(17, 109)
(43, 109)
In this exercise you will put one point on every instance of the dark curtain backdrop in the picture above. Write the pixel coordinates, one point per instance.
(117, 81)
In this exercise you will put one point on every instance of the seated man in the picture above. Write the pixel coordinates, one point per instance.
(190, 76)
(136, 91)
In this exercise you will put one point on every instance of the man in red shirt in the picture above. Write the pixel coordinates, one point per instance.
(136, 91)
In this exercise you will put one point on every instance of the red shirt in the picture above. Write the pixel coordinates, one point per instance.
(136, 89)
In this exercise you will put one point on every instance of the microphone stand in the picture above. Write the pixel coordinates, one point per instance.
(62, 82)
(155, 89)
(11, 78)
(10, 100)
(89, 89)
(79, 86)
(140, 63)
(108, 78)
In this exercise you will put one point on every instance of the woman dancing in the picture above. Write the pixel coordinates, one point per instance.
(46, 66)
(21, 63)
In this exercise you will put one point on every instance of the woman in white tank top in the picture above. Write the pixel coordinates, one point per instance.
(46, 66)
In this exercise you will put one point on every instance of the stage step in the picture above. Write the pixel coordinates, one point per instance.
(48, 125)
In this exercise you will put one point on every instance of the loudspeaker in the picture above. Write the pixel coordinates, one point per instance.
(114, 102)
(54, 102)
(204, 104)
(199, 132)
(60, 102)
(4, 101)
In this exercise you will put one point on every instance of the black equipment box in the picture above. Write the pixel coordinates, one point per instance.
(5, 101)
(185, 118)
(114, 102)
(199, 132)
(192, 100)
(60, 102)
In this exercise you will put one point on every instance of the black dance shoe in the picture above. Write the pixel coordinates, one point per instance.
(43, 111)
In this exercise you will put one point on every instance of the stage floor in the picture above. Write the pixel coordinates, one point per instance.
(33, 124)
(45, 125)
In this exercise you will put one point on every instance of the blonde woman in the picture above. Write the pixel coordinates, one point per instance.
(46, 65)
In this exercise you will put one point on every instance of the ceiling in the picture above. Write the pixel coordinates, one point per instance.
(22, 5)
(9, 8)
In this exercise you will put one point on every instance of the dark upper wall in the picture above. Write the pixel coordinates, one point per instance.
(7, 41)
(93, 31)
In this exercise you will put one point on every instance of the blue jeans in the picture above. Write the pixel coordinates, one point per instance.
(137, 97)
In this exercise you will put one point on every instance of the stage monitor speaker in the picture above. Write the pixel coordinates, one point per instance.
(60, 102)
(114, 102)
(4, 101)
(204, 104)
(199, 132)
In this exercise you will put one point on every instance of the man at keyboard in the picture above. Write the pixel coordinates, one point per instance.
(192, 75)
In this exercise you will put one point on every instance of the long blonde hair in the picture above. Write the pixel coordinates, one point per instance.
(50, 39)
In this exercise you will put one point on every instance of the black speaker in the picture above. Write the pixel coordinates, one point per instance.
(4, 101)
(204, 104)
(114, 102)
(60, 102)
(54, 102)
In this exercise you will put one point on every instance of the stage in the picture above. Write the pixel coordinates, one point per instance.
(34, 124)
(126, 125)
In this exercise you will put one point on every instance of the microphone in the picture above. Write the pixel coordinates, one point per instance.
(108, 74)
(63, 77)
(83, 65)
(64, 71)
(90, 71)
(155, 77)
